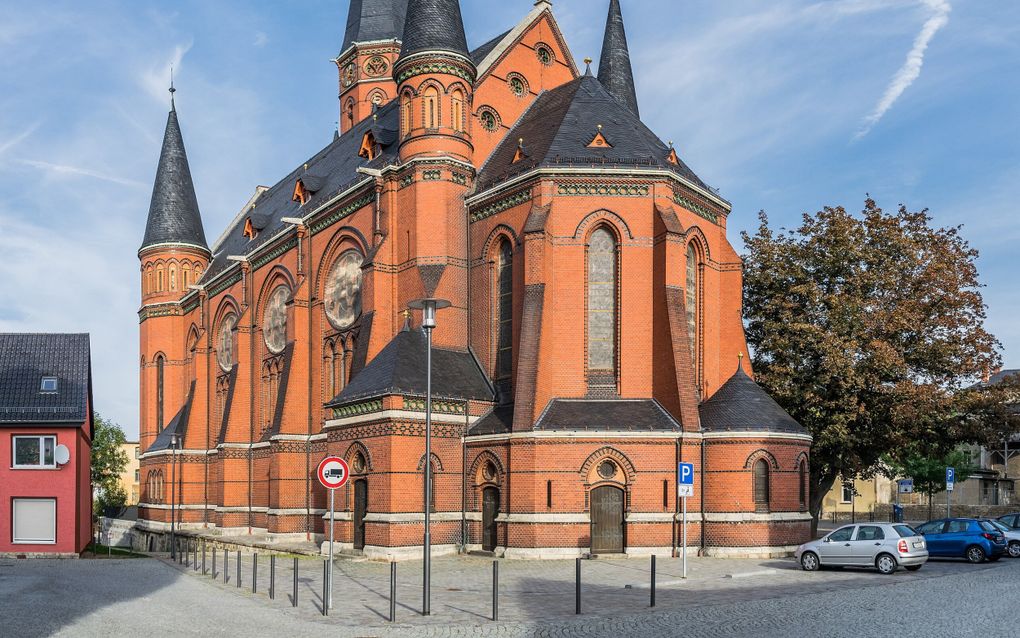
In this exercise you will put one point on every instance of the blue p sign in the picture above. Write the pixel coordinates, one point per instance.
(950, 475)
(686, 473)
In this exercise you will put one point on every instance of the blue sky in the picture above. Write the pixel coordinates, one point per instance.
(784, 106)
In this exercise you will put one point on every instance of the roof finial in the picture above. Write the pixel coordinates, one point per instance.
(407, 321)
(740, 361)
(173, 107)
(587, 66)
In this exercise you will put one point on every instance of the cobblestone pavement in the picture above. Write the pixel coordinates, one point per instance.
(720, 598)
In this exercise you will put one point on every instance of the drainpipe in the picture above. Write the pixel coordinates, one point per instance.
(676, 484)
(463, 480)
(704, 444)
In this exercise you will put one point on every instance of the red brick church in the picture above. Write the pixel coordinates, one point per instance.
(593, 342)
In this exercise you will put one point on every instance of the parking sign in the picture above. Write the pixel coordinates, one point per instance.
(950, 478)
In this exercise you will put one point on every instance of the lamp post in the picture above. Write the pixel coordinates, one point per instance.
(428, 309)
(173, 495)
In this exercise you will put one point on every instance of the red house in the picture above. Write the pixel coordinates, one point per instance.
(46, 438)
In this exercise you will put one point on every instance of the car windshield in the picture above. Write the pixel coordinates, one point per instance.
(905, 531)
(992, 526)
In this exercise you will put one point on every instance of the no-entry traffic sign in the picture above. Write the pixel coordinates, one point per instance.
(333, 472)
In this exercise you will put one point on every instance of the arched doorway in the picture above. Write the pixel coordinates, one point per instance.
(360, 509)
(607, 520)
(490, 511)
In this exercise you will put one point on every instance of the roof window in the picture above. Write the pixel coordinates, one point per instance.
(599, 140)
(48, 385)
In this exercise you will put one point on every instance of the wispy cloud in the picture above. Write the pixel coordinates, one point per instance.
(17, 139)
(260, 39)
(911, 68)
(156, 79)
(65, 169)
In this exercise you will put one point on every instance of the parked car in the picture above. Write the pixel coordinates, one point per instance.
(1012, 537)
(884, 546)
(1010, 520)
(968, 538)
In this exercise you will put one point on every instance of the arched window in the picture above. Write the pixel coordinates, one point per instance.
(159, 279)
(457, 102)
(761, 485)
(431, 107)
(504, 310)
(159, 393)
(186, 273)
(405, 114)
(692, 302)
(173, 277)
(802, 477)
(349, 112)
(602, 292)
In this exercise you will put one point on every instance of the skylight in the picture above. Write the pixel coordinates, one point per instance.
(49, 384)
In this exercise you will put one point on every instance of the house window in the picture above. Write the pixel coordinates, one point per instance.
(34, 451)
(761, 485)
(602, 301)
(35, 520)
(504, 310)
(136, 452)
(848, 493)
(137, 475)
(48, 384)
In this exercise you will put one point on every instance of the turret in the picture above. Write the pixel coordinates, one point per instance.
(434, 77)
(365, 62)
(615, 71)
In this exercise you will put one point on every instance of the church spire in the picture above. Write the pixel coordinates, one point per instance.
(434, 26)
(615, 71)
(374, 21)
(174, 217)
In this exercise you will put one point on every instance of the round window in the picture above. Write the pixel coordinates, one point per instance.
(358, 465)
(343, 290)
(545, 54)
(376, 66)
(489, 471)
(489, 120)
(225, 343)
(517, 85)
(274, 320)
(607, 469)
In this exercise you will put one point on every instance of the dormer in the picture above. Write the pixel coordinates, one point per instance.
(520, 153)
(672, 158)
(599, 141)
(368, 148)
(306, 186)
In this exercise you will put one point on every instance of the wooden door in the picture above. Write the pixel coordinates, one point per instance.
(360, 508)
(607, 520)
(490, 510)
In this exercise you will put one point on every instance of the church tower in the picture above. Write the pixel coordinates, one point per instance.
(615, 71)
(370, 48)
(173, 256)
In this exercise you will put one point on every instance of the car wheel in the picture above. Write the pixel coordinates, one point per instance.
(1014, 549)
(975, 554)
(913, 568)
(809, 562)
(886, 564)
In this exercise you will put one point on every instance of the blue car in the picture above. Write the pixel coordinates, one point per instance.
(968, 538)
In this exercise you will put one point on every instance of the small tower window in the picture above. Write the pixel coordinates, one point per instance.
(457, 102)
(405, 115)
(431, 107)
(48, 385)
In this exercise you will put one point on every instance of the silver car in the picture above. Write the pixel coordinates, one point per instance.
(1012, 537)
(884, 546)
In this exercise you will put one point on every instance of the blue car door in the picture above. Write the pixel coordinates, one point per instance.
(934, 537)
(957, 537)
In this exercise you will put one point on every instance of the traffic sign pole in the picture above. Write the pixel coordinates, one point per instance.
(685, 535)
(333, 473)
(332, 516)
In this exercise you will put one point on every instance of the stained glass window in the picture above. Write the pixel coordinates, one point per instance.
(343, 290)
(274, 321)
(602, 301)
(692, 299)
(504, 313)
(225, 343)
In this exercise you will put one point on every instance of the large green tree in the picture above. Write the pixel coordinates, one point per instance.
(866, 327)
(108, 462)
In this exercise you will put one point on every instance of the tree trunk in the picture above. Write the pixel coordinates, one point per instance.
(820, 486)
(929, 506)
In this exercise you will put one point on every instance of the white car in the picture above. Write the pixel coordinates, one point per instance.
(1012, 537)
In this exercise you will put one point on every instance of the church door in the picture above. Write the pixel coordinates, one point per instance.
(360, 509)
(490, 510)
(606, 520)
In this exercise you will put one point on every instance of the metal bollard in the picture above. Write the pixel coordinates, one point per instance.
(294, 599)
(203, 557)
(214, 553)
(325, 588)
(653, 582)
(393, 592)
(495, 590)
(226, 565)
(272, 577)
(577, 596)
(238, 568)
(254, 573)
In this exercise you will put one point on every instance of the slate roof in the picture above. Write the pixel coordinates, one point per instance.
(742, 405)
(25, 359)
(372, 20)
(400, 369)
(560, 124)
(174, 217)
(333, 170)
(178, 425)
(498, 420)
(1001, 376)
(607, 415)
(433, 25)
(614, 64)
(479, 54)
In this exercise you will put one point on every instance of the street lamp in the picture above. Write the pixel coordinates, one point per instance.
(173, 494)
(428, 309)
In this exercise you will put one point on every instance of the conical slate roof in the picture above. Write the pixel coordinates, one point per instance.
(742, 405)
(174, 217)
(374, 20)
(559, 127)
(434, 25)
(614, 65)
